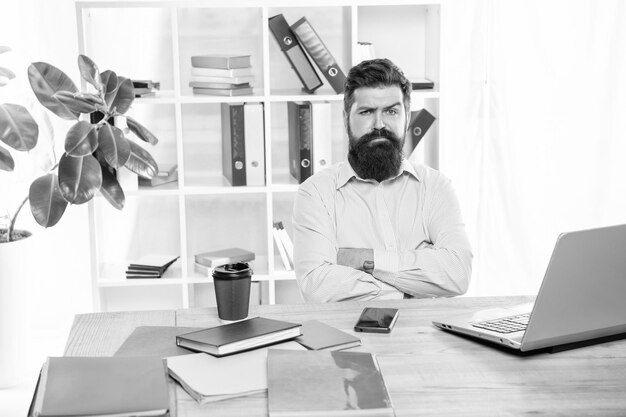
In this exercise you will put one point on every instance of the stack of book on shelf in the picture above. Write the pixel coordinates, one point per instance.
(145, 88)
(206, 261)
(102, 386)
(221, 75)
(239, 375)
(150, 266)
(322, 383)
(283, 244)
(167, 173)
(239, 336)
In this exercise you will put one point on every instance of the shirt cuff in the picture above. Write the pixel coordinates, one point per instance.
(386, 262)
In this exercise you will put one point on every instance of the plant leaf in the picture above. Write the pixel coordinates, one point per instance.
(18, 129)
(91, 98)
(113, 145)
(4, 49)
(46, 201)
(81, 139)
(141, 162)
(109, 81)
(122, 97)
(5, 72)
(79, 178)
(89, 71)
(46, 80)
(111, 189)
(6, 160)
(74, 102)
(3, 80)
(141, 132)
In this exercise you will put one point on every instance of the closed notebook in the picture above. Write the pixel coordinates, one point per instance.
(191, 373)
(319, 336)
(239, 336)
(223, 257)
(102, 386)
(314, 383)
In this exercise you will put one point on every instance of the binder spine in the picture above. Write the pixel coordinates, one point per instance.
(306, 167)
(295, 54)
(254, 144)
(320, 54)
(233, 144)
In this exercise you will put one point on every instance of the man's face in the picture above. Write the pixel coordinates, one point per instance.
(376, 128)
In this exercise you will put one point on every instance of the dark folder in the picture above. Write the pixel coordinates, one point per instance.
(233, 144)
(293, 51)
(300, 140)
(421, 121)
(316, 49)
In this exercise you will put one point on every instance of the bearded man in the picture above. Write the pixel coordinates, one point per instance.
(378, 226)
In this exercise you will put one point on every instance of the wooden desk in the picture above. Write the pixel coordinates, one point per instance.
(428, 372)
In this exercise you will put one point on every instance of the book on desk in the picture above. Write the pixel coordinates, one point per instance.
(239, 336)
(101, 386)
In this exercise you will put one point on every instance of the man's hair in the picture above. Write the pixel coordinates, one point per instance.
(379, 72)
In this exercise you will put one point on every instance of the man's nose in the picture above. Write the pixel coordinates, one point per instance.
(378, 121)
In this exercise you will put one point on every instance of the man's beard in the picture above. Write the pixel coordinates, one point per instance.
(379, 161)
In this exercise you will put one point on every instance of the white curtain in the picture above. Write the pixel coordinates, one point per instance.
(533, 128)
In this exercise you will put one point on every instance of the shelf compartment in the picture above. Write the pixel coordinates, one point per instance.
(141, 298)
(220, 31)
(147, 224)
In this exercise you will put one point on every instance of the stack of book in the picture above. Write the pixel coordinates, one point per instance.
(221, 75)
(150, 266)
(145, 88)
(284, 244)
(206, 261)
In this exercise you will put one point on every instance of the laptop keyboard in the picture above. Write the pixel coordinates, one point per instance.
(505, 324)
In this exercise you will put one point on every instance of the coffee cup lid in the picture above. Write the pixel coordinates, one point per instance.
(233, 271)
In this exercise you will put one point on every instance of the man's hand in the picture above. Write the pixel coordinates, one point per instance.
(354, 257)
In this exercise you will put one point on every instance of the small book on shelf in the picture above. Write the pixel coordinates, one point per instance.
(284, 244)
(196, 80)
(150, 266)
(239, 336)
(322, 383)
(167, 173)
(223, 256)
(191, 371)
(101, 386)
(320, 336)
(224, 61)
(221, 72)
(421, 83)
(227, 92)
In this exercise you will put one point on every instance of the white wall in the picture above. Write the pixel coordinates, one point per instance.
(39, 30)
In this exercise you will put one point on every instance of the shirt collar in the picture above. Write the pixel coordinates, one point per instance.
(346, 172)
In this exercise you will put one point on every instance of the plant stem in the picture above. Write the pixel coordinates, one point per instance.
(12, 225)
(14, 218)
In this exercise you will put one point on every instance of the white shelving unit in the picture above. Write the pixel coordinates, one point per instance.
(202, 212)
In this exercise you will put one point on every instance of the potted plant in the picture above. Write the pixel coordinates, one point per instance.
(94, 149)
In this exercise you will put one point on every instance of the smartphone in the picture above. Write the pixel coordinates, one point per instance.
(376, 320)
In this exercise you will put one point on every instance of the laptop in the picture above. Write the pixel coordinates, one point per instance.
(582, 299)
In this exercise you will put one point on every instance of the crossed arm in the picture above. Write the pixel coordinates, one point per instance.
(327, 272)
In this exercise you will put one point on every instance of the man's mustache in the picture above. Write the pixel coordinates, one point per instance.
(378, 133)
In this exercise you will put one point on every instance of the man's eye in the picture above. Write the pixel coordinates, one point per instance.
(365, 112)
(392, 112)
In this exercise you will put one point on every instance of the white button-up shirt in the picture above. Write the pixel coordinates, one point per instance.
(412, 222)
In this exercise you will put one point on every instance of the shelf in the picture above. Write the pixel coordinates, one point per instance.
(202, 211)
